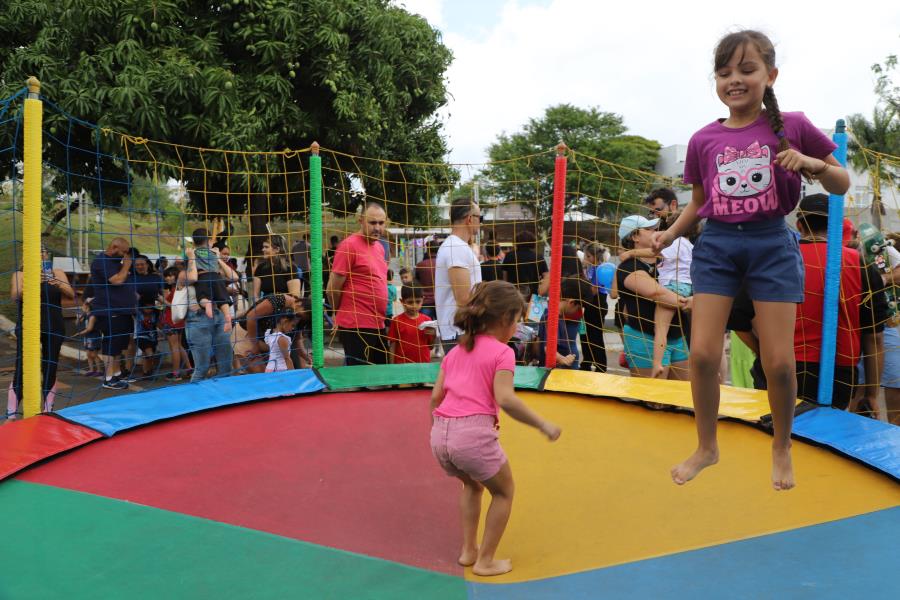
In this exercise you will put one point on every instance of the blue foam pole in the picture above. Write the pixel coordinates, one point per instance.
(832, 276)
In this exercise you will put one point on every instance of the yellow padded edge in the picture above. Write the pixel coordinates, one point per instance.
(738, 403)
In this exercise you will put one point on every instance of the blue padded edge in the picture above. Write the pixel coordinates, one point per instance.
(850, 558)
(869, 441)
(126, 411)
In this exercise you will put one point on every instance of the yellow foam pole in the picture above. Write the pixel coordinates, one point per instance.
(31, 253)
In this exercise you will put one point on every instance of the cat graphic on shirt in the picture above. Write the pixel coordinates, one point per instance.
(744, 184)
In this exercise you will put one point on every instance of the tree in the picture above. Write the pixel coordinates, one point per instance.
(361, 77)
(606, 166)
(887, 90)
(871, 141)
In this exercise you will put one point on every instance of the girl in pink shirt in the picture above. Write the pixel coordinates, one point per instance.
(475, 381)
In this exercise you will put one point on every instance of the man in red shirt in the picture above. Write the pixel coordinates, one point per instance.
(410, 342)
(358, 290)
(854, 306)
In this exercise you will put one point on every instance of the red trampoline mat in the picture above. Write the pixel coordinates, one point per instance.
(351, 471)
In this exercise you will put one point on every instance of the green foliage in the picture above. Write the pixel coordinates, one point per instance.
(594, 186)
(887, 90)
(359, 76)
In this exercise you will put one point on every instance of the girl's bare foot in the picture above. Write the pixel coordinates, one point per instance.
(782, 469)
(698, 461)
(468, 556)
(494, 567)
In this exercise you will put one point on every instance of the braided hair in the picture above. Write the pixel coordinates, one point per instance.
(491, 302)
(736, 41)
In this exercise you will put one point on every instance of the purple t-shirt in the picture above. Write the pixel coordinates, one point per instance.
(737, 168)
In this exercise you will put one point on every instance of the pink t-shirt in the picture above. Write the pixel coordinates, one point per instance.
(364, 296)
(737, 168)
(469, 377)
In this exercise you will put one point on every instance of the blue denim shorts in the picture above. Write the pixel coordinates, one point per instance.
(765, 255)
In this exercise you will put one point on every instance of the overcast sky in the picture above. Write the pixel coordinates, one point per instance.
(648, 60)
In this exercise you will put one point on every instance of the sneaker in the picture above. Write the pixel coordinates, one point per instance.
(130, 378)
(173, 377)
(115, 384)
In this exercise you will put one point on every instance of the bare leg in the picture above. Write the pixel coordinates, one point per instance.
(662, 319)
(650, 372)
(470, 511)
(779, 364)
(679, 371)
(707, 336)
(175, 352)
(502, 488)
(226, 313)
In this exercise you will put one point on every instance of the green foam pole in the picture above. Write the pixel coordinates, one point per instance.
(315, 256)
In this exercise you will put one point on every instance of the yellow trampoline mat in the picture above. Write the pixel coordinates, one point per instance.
(739, 403)
(602, 495)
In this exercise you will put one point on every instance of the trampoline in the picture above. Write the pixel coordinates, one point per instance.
(290, 485)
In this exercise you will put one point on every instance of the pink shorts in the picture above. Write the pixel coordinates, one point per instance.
(468, 445)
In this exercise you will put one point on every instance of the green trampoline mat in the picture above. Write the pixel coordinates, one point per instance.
(63, 544)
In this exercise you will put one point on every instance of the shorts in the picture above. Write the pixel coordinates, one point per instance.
(468, 446)
(639, 349)
(763, 255)
(682, 289)
(117, 331)
(92, 341)
(890, 375)
(168, 330)
(146, 343)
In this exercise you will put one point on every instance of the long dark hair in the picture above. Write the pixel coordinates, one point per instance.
(280, 261)
(491, 302)
(734, 42)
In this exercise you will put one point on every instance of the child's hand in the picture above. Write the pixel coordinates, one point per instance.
(657, 371)
(660, 240)
(686, 303)
(189, 252)
(791, 160)
(551, 431)
(567, 361)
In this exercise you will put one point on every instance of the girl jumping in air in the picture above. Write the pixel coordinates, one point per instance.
(745, 170)
(475, 382)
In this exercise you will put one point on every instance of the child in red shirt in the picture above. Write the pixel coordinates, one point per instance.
(410, 341)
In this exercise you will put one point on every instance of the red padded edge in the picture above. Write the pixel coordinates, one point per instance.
(25, 442)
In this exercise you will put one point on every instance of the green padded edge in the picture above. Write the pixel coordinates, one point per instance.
(342, 378)
(59, 543)
(530, 378)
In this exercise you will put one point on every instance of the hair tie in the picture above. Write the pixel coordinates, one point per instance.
(780, 134)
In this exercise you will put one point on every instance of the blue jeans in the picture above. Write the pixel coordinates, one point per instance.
(207, 336)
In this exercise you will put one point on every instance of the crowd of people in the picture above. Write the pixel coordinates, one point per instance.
(259, 320)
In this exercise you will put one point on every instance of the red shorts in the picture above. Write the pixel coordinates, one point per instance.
(468, 445)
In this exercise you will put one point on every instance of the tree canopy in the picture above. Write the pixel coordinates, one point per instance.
(361, 77)
(596, 180)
